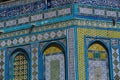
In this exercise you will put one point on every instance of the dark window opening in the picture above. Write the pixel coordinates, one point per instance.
(4, 0)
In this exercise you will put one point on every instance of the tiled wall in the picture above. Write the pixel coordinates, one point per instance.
(102, 35)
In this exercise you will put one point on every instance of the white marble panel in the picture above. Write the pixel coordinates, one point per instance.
(23, 20)
(50, 14)
(86, 10)
(64, 11)
(111, 13)
(11, 23)
(36, 17)
(99, 12)
(1, 24)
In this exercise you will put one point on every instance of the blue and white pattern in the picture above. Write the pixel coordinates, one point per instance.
(98, 70)
(28, 8)
(50, 58)
(109, 3)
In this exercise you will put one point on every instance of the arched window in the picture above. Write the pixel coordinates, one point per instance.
(19, 66)
(98, 62)
(54, 63)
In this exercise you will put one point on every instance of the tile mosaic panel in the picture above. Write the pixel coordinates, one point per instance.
(109, 3)
(71, 57)
(82, 32)
(97, 70)
(55, 3)
(31, 7)
(58, 68)
(37, 17)
(15, 2)
(23, 20)
(86, 10)
(111, 13)
(34, 62)
(99, 12)
(50, 14)
(116, 63)
(33, 38)
(22, 9)
(114, 42)
(11, 23)
(2, 65)
(98, 62)
(64, 11)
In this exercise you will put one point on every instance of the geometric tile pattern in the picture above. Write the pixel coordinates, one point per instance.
(2, 64)
(82, 33)
(33, 38)
(55, 71)
(20, 68)
(116, 63)
(71, 51)
(37, 17)
(97, 70)
(34, 63)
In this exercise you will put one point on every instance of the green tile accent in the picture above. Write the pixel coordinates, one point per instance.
(55, 69)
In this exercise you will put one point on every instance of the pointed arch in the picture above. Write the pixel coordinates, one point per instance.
(19, 65)
(54, 59)
(98, 61)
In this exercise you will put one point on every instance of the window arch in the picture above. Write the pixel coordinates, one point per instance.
(98, 62)
(54, 62)
(19, 66)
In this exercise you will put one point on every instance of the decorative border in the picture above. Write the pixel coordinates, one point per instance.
(70, 51)
(34, 55)
(33, 38)
(100, 12)
(36, 17)
(2, 64)
(115, 58)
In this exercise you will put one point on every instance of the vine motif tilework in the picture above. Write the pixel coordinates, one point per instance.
(52, 69)
(31, 8)
(23, 9)
(2, 64)
(14, 3)
(71, 51)
(34, 62)
(109, 3)
(90, 32)
(33, 38)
